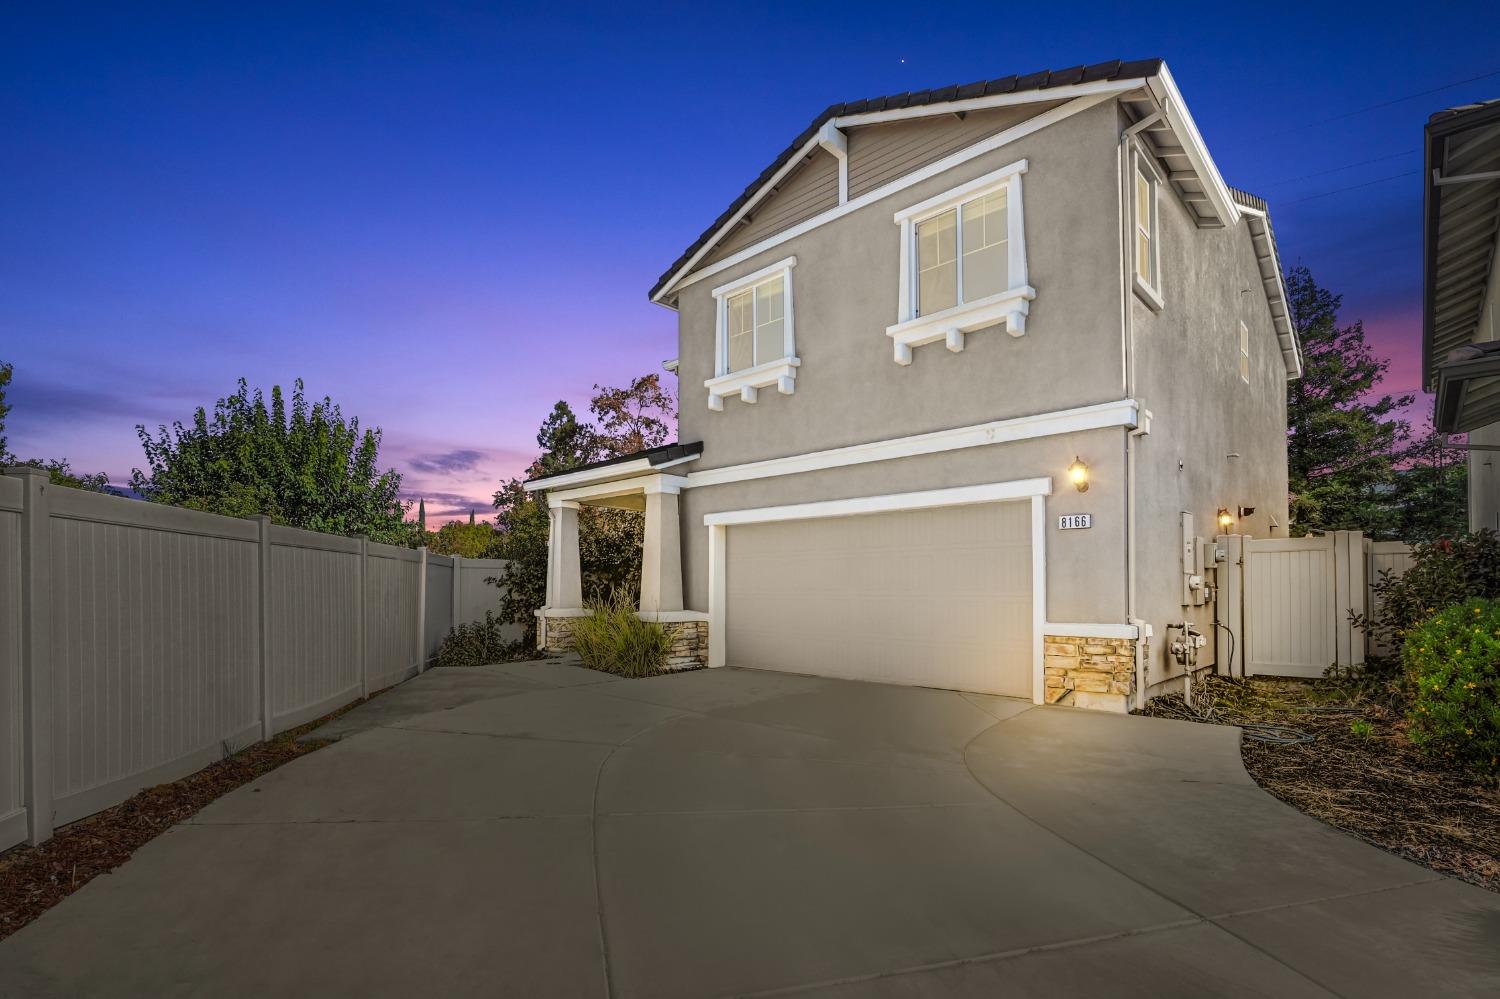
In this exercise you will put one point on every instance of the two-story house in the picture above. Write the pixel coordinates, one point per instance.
(966, 376)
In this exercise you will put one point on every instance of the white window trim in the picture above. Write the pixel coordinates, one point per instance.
(1150, 293)
(747, 382)
(1244, 352)
(1036, 490)
(1009, 307)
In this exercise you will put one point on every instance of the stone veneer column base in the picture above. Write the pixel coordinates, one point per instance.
(689, 639)
(1089, 672)
(689, 644)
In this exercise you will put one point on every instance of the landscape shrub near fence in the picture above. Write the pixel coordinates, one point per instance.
(140, 642)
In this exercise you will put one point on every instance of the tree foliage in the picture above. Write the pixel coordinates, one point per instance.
(625, 420)
(471, 540)
(303, 465)
(6, 371)
(1343, 439)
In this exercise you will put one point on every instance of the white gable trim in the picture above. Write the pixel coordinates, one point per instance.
(686, 276)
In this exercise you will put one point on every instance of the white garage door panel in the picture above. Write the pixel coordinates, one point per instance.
(939, 597)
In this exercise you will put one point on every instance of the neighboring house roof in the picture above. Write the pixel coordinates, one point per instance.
(648, 460)
(1461, 219)
(1268, 259)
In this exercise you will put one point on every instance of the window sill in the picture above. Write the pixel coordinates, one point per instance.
(1010, 307)
(1148, 294)
(747, 384)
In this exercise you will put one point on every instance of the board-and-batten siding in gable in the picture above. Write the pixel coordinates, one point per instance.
(812, 188)
(878, 154)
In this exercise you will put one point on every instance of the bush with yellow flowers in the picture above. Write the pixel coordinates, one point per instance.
(1452, 664)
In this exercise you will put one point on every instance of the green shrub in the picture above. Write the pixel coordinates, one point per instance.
(1452, 665)
(614, 640)
(1443, 573)
(478, 644)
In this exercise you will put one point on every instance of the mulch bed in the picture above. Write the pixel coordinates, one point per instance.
(1358, 772)
(34, 879)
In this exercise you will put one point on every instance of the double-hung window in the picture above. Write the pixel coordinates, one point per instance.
(963, 264)
(753, 341)
(1145, 224)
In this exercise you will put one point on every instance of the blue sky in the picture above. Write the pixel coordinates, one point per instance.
(447, 216)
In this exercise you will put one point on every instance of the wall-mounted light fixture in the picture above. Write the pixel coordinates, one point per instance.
(1226, 519)
(1078, 474)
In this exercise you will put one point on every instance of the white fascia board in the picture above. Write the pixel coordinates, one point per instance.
(604, 473)
(925, 499)
(686, 275)
(1124, 413)
(638, 485)
(1181, 121)
(1291, 349)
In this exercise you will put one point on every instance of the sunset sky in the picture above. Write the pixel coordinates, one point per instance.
(447, 216)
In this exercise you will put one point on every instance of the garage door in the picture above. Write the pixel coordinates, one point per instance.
(936, 598)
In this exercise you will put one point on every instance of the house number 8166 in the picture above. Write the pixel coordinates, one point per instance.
(1074, 521)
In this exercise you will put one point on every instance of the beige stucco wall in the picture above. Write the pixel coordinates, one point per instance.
(849, 389)
(1085, 578)
(1484, 481)
(1187, 370)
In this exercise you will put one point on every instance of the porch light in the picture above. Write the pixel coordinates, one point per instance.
(1226, 519)
(1078, 472)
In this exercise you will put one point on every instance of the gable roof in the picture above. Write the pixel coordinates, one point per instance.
(1043, 80)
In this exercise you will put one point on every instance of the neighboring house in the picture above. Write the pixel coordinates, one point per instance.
(965, 375)
(1461, 291)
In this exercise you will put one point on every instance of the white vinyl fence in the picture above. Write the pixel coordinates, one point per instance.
(1288, 601)
(140, 642)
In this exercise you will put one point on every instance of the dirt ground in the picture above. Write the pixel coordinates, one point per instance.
(1338, 751)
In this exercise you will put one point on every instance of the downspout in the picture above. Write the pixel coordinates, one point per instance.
(1127, 346)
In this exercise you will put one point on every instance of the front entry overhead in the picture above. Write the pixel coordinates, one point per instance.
(937, 597)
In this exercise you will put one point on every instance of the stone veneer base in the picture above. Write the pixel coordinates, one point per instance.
(1089, 672)
(689, 640)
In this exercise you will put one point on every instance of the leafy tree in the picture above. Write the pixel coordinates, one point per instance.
(626, 420)
(59, 471)
(469, 540)
(1343, 441)
(1431, 496)
(304, 466)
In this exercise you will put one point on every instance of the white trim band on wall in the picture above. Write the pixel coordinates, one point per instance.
(1123, 413)
(920, 500)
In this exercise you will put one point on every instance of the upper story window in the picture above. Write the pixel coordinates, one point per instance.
(754, 346)
(961, 254)
(1244, 353)
(1145, 222)
(963, 264)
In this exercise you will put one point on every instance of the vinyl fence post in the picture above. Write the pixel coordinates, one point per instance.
(458, 575)
(364, 616)
(263, 571)
(36, 649)
(422, 611)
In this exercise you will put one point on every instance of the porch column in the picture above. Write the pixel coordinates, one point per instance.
(661, 552)
(564, 576)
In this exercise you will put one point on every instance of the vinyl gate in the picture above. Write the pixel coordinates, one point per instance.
(1289, 601)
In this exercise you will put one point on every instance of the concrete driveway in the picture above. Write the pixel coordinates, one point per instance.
(544, 830)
